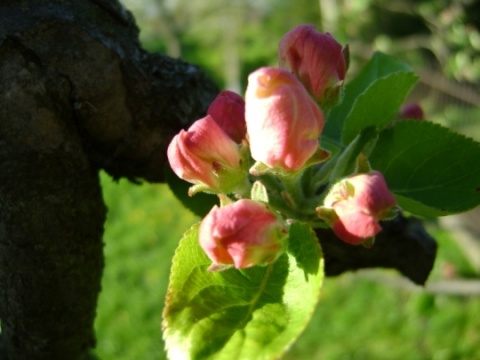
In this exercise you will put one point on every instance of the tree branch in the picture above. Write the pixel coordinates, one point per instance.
(403, 244)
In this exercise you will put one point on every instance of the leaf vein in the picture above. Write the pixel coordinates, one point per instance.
(261, 288)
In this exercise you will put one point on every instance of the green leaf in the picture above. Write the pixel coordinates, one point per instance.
(378, 105)
(249, 314)
(200, 203)
(371, 84)
(431, 170)
(345, 164)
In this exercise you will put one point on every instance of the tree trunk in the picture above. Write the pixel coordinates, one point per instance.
(77, 95)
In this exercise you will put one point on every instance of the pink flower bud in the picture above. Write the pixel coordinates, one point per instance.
(283, 121)
(228, 110)
(317, 59)
(203, 153)
(411, 111)
(359, 202)
(244, 234)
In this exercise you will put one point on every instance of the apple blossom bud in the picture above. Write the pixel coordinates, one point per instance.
(283, 122)
(204, 154)
(317, 59)
(359, 202)
(411, 111)
(243, 234)
(228, 110)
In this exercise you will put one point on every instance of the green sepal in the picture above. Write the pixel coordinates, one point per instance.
(198, 188)
(200, 204)
(363, 165)
(259, 169)
(392, 213)
(368, 243)
(318, 157)
(259, 192)
(327, 214)
(224, 200)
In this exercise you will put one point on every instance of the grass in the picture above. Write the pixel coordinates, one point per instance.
(143, 227)
(358, 318)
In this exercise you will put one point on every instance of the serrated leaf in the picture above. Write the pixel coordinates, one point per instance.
(378, 104)
(379, 66)
(248, 314)
(431, 170)
(200, 203)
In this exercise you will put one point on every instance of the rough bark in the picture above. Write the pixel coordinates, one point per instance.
(78, 94)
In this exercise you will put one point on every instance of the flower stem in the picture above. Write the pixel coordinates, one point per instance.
(293, 186)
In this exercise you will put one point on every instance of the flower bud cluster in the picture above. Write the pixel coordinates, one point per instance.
(275, 132)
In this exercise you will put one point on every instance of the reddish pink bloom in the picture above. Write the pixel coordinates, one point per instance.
(359, 202)
(200, 154)
(283, 122)
(228, 110)
(411, 111)
(244, 234)
(317, 59)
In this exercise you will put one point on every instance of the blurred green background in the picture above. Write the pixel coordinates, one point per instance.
(365, 315)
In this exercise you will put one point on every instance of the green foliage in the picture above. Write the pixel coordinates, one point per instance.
(358, 318)
(424, 163)
(379, 104)
(346, 162)
(367, 320)
(431, 170)
(241, 314)
(368, 98)
(252, 313)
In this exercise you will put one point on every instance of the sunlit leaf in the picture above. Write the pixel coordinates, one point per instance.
(379, 67)
(379, 104)
(254, 313)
